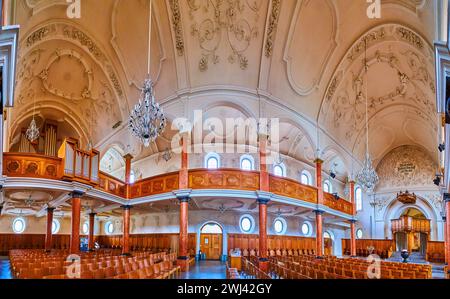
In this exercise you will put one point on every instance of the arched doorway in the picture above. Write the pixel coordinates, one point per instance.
(211, 235)
(411, 231)
(327, 243)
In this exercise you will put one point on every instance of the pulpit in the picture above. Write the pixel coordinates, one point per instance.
(411, 234)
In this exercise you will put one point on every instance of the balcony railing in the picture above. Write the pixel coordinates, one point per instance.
(74, 164)
(409, 224)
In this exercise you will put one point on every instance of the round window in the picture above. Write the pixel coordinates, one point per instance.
(279, 226)
(55, 226)
(359, 233)
(19, 225)
(306, 229)
(246, 223)
(109, 227)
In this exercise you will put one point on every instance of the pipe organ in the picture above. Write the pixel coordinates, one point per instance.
(46, 144)
(50, 140)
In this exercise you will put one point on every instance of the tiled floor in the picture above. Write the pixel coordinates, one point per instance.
(206, 270)
(5, 270)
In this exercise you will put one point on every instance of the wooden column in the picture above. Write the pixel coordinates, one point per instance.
(91, 231)
(126, 230)
(128, 159)
(76, 215)
(352, 222)
(49, 233)
(319, 212)
(262, 202)
(183, 244)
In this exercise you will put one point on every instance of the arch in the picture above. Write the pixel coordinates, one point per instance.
(224, 236)
(208, 163)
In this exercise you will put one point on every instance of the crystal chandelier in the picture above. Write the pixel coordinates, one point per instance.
(147, 120)
(32, 132)
(367, 177)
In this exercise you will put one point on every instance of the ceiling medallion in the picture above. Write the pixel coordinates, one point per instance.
(147, 120)
(367, 177)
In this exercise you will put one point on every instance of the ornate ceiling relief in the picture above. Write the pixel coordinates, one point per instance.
(77, 75)
(406, 166)
(400, 72)
(177, 28)
(272, 26)
(231, 24)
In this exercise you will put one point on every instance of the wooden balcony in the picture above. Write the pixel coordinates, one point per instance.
(74, 164)
(409, 224)
(338, 204)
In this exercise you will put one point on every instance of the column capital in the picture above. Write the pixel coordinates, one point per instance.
(76, 194)
(128, 157)
(125, 207)
(92, 214)
(182, 195)
(263, 197)
(353, 221)
(50, 209)
(444, 218)
(319, 212)
(318, 161)
(446, 197)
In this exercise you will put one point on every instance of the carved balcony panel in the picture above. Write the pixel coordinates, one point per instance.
(32, 165)
(291, 188)
(340, 204)
(155, 185)
(111, 185)
(408, 224)
(224, 179)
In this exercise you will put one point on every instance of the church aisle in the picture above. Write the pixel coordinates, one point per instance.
(206, 270)
(5, 268)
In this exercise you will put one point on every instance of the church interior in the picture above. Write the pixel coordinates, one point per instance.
(224, 139)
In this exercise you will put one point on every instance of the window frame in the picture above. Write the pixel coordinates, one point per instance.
(358, 200)
(282, 167)
(212, 155)
(23, 228)
(250, 159)
(307, 174)
(310, 228)
(252, 223)
(57, 226)
(106, 227)
(87, 230)
(283, 223)
(330, 186)
(359, 230)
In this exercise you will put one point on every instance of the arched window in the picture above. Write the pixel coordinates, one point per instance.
(109, 228)
(211, 228)
(327, 187)
(212, 161)
(85, 228)
(327, 235)
(246, 224)
(305, 178)
(132, 177)
(55, 226)
(307, 228)
(19, 225)
(279, 170)
(358, 198)
(279, 226)
(247, 162)
(359, 233)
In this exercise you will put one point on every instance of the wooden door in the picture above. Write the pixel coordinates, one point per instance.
(328, 246)
(211, 245)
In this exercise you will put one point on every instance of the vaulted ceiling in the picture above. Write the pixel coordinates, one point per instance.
(300, 60)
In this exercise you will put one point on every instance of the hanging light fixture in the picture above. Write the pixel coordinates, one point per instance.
(32, 132)
(147, 120)
(367, 177)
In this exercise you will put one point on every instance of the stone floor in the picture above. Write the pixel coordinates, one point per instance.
(206, 270)
(5, 269)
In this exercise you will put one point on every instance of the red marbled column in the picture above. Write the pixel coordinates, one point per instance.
(49, 233)
(128, 159)
(444, 219)
(76, 215)
(126, 230)
(91, 231)
(319, 234)
(263, 260)
(264, 174)
(183, 254)
(184, 175)
(319, 181)
(352, 223)
(447, 222)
